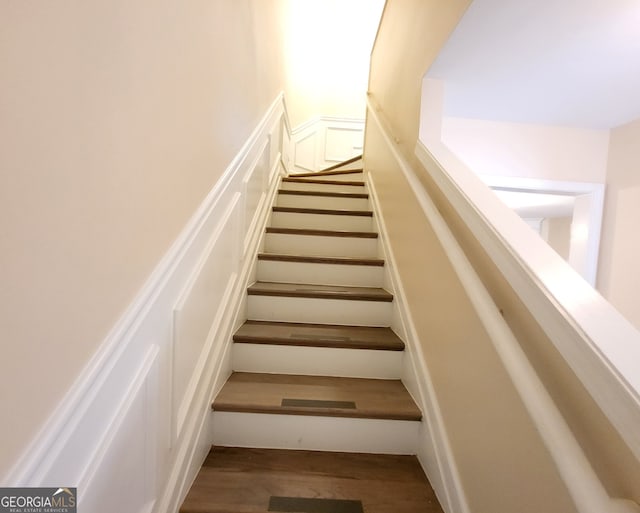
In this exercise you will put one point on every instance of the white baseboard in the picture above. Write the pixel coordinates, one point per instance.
(136, 425)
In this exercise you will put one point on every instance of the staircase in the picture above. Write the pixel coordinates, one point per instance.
(316, 369)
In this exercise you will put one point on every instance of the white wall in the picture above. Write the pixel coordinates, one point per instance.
(618, 280)
(557, 232)
(327, 50)
(119, 118)
(604, 347)
(532, 158)
(527, 150)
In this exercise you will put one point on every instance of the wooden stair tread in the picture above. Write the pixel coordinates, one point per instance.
(293, 179)
(324, 211)
(327, 194)
(267, 288)
(320, 395)
(374, 262)
(318, 335)
(327, 173)
(322, 233)
(244, 480)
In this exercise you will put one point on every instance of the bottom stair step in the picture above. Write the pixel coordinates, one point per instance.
(234, 480)
(316, 395)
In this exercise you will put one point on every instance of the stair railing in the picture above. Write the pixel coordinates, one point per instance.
(584, 486)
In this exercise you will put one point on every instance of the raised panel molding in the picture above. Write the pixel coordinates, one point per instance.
(342, 143)
(136, 426)
(304, 149)
(195, 312)
(324, 141)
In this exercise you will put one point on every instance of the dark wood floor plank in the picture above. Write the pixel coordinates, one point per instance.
(352, 183)
(263, 393)
(244, 480)
(352, 160)
(323, 233)
(318, 335)
(328, 194)
(328, 173)
(324, 211)
(268, 288)
(374, 262)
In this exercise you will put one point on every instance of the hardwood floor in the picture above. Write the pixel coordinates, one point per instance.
(234, 480)
(275, 257)
(336, 411)
(326, 194)
(349, 183)
(318, 335)
(328, 233)
(328, 172)
(324, 211)
(316, 395)
(263, 288)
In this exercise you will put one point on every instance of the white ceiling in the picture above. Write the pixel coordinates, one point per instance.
(561, 62)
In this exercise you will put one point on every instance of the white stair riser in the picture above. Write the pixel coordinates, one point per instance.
(321, 221)
(317, 361)
(304, 201)
(321, 274)
(323, 311)
(299, 186)
(314, 245)
(346, 177)
(315, 433)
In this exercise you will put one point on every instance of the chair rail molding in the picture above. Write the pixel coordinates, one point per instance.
(137, 419)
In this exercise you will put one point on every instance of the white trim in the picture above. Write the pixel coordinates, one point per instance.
(590, 191)
(73, 444)
(446, 483)
(192, 455)
(599, 345)
(98, 456)
(310, 150)
(246, 180)
(582, 483)
(330, 120)
(181, 409)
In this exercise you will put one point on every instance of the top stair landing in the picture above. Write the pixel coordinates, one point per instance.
(349, 170)
(336, 175)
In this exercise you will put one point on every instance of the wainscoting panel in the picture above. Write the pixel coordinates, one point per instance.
(133, 431)
(254, 191)
(342, 143)
(304, 158)
(324, 141)
(197, 308)
(125, 457)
